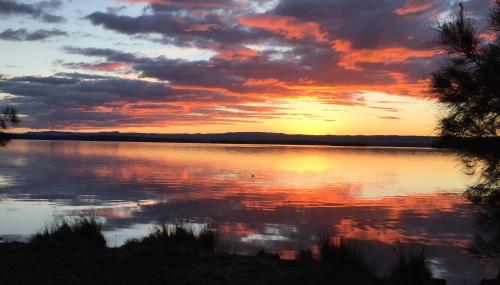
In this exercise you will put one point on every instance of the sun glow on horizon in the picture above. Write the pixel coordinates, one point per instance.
(380, 114)
(210, 67)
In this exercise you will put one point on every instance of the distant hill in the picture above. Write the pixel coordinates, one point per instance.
(237, 138)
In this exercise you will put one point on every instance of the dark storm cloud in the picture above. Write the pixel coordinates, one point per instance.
(207, 30)
(80, 91)
(109, 54)
(188, 3)
(234, 75)
(364, 24)
(196, 73)
(75, 100)
(333, 51)
(51, 80)
(367, 24)
(24, 35)
(375, 23)
(35, 10)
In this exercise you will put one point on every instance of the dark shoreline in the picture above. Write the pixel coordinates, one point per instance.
(240, 138)
(479, 145)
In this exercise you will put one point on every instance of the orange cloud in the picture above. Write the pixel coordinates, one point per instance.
(241, 55)
(350, 57)
(264, 82)
(412, 8)
(109, 67)
(203, 27)
(286, 26)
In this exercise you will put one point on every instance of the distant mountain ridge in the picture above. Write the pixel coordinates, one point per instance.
(238, 138)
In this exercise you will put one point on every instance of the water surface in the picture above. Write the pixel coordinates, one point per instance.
(260, 196)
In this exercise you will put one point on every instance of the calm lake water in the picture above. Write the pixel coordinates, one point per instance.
(260, 196)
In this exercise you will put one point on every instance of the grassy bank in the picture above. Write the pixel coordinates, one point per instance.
(75, 252)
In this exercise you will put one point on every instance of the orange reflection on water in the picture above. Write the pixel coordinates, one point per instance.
(389, 183)
(381, 171)
(260, 196)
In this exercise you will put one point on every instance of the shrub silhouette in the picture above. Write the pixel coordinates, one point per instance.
(178, 236)
(80, 232)
(8, 116)
(341, 262)
(411, 268)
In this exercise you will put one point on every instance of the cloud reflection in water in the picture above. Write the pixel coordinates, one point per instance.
(277, 197)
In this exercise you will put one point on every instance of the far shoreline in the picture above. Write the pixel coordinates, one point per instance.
(241, 138)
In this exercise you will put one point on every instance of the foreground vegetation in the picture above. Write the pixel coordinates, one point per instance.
(75, 252)
(467, 82)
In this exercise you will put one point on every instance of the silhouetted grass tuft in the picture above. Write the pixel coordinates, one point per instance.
(411, 268)
(206, 238)
(338, 254)
(304, 256)
(80, 232)
(180, 254)
(339, 262)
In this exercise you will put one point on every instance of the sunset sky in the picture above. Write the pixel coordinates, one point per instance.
(205, 66)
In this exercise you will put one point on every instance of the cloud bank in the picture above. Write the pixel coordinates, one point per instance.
(263, 51)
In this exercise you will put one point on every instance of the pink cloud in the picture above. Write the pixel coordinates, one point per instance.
(351, 58)
(414, 7)
(286, 26)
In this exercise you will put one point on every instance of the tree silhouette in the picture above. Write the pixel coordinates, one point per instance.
(467, 84)
(8, 116)
(485, 193)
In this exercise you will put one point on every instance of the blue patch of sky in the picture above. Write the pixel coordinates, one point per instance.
(45, 57)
